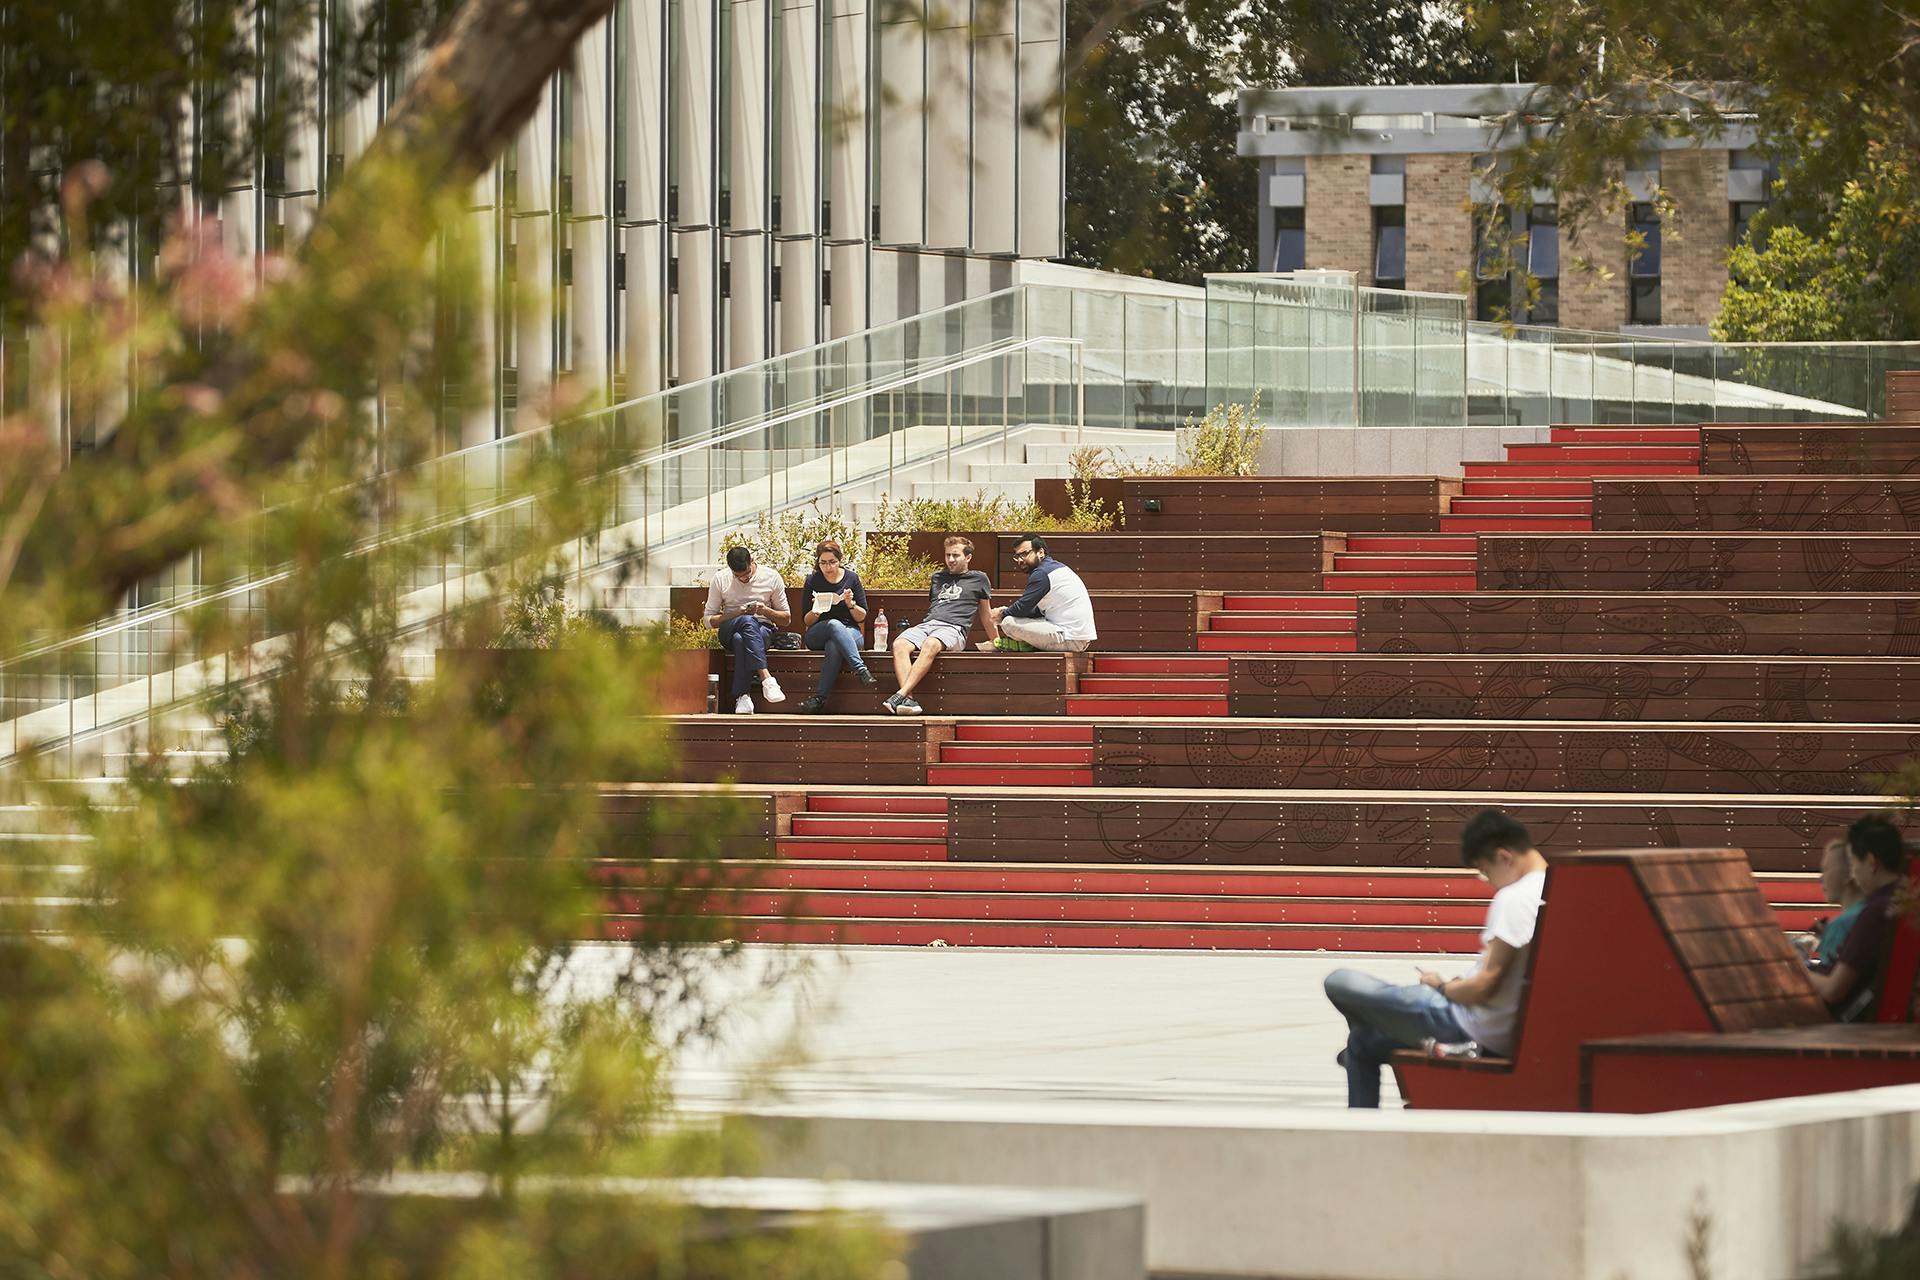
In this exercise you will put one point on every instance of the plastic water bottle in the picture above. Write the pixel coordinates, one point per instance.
(880, 632)
(713, 694)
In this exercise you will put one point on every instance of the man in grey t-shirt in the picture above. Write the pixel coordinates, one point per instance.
(956, 596)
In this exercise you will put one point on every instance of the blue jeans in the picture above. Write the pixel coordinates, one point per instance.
(1381, 1018)
(745, 637)
(840, 644)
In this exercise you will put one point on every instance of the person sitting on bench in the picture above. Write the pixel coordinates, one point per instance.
(749, 603)
(1482, 1007)
(1054, 613)
(956, 595)
(1836, 885)
(1879, 862)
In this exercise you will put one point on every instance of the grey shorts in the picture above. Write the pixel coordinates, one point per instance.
(950, 637)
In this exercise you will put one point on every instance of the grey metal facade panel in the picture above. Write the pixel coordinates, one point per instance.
(697, 190)
(1387, 188)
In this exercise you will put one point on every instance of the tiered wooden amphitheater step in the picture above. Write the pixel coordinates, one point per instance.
(1400, 563)
(1099, 905)
(1015, 754)
(891, 828)
(1548, 488)
(1266, 623)
(1152, 684)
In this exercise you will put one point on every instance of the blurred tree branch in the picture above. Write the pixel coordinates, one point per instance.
(197, 447)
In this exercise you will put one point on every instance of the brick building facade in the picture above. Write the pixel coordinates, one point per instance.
(1381, 182)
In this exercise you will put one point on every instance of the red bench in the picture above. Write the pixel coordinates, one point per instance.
(1643, 959)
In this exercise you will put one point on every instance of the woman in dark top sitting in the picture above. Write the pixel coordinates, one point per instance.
(1878, 861)
(834, 632)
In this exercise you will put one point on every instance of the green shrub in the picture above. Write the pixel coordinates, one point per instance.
(1225, 442)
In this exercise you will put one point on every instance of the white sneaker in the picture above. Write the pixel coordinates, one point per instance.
(743, 705)
(771, 691)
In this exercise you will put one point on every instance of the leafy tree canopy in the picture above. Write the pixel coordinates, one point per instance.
(1154, 186)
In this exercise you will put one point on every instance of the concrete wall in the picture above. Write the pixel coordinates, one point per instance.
(1247, 1191)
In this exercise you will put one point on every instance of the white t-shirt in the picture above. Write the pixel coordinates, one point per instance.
(1511, 918)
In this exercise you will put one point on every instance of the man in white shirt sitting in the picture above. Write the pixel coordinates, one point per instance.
(749, 605)
(1054, 613)
(1483, 1006)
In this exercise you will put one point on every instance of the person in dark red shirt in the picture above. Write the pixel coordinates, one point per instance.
(1879, 860)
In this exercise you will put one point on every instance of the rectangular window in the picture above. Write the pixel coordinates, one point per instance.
(1740, 221)
(1643, 273)
(1492, 285)
(1543, 263)
(1289, 239)
(1390, 246)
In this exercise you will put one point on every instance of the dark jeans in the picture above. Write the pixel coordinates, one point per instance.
(841, 645)
(746, 637)
(1382, 1017)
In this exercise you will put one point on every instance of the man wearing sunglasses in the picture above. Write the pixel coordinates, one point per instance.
(1054, 613)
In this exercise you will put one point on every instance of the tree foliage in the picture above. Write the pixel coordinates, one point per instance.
(1832, 90)
(1154, 185)
(374, 933)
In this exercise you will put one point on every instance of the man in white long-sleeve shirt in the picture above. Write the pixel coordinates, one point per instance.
(1055, 612)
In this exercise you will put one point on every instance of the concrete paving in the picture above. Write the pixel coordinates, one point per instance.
(901, 1023)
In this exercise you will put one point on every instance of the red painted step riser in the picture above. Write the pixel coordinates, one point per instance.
(1087, 908)
(1309, 623)
(1142, 685)
(1374, 544)
(806, 849)
(1121, 664)
(976, 775)
(1104, 937)
(1518, 524)
(1401, 582)
(1288, 604)
(877, 804)
(1527, 489)
(1012, 753)
(1520, 507)
(1239, 642)
(1077, 706)
(1038, 733)
(1626, 435)
(1346, 563)
(877, 828)
(964, 877)
(1586, 471)
(1601, 453)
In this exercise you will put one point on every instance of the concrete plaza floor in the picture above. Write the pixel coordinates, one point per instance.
(892, 1023)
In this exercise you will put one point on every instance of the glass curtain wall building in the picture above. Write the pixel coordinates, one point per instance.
(711, 184)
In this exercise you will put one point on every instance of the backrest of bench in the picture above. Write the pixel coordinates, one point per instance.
(1728, 940)
(1900, 979)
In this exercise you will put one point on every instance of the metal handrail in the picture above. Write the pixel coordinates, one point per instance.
(375, 543)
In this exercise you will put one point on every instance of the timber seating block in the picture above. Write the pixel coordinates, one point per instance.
(1793, 759)
(961, 683)
(1222, 504)
(1383, 686)
(1128, 622)
(1717, 562)
(1129, 561)
(1887, 448)
(1366, 830)
(1839, 504)
(1864, 625)
(815, 751)
(1615, 954)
